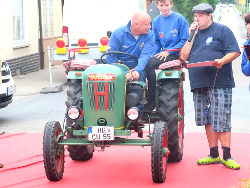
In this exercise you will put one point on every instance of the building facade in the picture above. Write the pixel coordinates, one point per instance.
(20, 32)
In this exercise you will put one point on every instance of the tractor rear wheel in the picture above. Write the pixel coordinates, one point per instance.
(53, 153)
(159, 152)
(74, 97)
(171, 108)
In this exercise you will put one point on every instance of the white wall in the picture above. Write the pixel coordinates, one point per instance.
(6, 27)
(91, 19)
(7, 48)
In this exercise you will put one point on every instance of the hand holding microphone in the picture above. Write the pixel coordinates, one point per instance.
(190, 37)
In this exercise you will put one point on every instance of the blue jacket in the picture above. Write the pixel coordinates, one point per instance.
(122, 40)
(245, 64)
(171, 32)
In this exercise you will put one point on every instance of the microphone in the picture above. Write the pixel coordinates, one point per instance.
(190, 37)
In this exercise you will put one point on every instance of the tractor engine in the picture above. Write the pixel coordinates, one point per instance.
(104, 88)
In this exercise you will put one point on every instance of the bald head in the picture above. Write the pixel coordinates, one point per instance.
(140, 23)
(140, 16)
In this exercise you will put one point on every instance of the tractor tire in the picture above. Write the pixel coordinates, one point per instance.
(158, 159)
(74, 97)
(53, 154)
(171, 108)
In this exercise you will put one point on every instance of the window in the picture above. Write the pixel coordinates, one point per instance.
(51, 18)
(18, 22)
(44, 18)
(48, 27)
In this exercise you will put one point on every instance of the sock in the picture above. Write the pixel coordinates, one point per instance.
(226, 153)
(214, 152)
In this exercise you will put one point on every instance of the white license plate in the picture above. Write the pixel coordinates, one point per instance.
(100, 133)
(11, 90)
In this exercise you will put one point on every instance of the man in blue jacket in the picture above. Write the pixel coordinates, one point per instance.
(171, 32)
(135, 38)
(245, 64)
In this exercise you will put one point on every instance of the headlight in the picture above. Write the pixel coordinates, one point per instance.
(133, 113)
(73, 112)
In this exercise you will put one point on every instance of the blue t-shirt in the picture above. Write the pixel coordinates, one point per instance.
(142, 47)
(245, 64)
(171, 32)
(212, 43)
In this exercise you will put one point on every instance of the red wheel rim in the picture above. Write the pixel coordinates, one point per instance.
(181, 113)
(58, 156)
(165, 145)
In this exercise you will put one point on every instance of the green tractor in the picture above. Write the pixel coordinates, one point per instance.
(104, 109)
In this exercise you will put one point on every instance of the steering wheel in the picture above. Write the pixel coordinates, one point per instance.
(119, 61)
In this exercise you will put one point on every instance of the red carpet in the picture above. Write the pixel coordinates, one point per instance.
(120, 166)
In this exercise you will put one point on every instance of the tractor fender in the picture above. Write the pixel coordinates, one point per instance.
(75, 75)
(171, 74)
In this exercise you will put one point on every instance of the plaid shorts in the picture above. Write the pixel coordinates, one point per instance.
(218, 114)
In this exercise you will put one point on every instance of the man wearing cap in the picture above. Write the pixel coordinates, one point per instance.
(212, 85)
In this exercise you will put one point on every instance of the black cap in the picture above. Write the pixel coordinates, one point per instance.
(203, 7)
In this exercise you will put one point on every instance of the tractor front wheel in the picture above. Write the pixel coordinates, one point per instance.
(53, 153)
(159, 152)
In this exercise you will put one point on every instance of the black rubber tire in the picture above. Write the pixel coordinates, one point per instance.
(158, 160)
(169, 100)
(53, 154)
(74, 97)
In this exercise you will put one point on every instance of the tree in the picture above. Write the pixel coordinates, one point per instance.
(213, 3)
(228, 1)
(185, 7)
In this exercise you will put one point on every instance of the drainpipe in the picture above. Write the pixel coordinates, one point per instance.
(41, 36)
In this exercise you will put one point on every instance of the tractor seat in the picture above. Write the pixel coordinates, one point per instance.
(79, 64)
(170, 64)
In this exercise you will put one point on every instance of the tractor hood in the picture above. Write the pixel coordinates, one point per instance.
(104, 95)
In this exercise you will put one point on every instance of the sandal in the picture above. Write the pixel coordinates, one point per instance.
(208, 160)
(230, 163)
